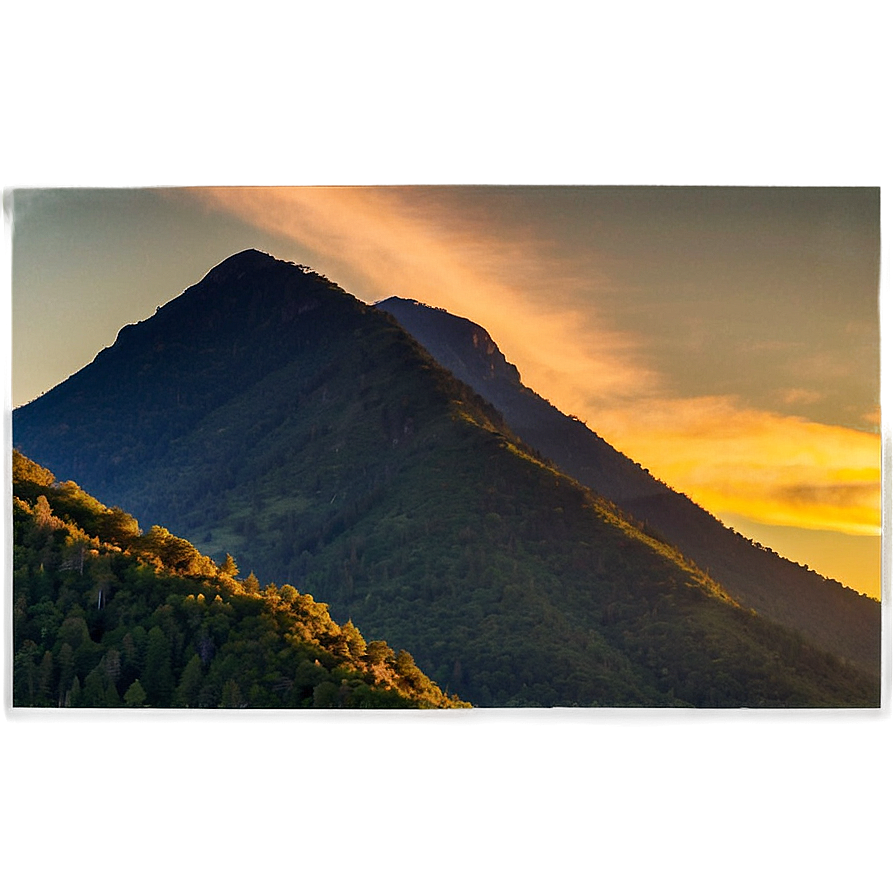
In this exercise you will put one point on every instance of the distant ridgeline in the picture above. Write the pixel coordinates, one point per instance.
(105, 616)
(269, 414)
(837, 618)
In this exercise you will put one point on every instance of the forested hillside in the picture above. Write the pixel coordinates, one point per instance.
(105, 616)
(836, 618)
(267, 413)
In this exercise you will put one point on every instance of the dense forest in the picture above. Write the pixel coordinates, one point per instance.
(107, 616)
(268, 414)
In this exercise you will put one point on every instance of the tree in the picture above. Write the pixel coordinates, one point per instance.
(66, 670)
(229, 567)
(354, 641)
(187, 692)
(43, 513)
(135, 696)
(94, 693)
(118, 527)
(112, 665)
(25, 674)
(44, 679)
(404, 663)
(74, 631)
(175, 553)
(379, 652)
(73, 698)
(130, 654)
(326, 695)
(232, 696)
(157, 674)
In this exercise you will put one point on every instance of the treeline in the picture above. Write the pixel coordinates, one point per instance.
(106, 616)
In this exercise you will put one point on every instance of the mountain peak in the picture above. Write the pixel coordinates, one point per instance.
(455, 342)
(250, 288)
(270, 413)
(246, 261)
(249, 254)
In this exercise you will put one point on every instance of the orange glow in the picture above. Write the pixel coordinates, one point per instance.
(376, 246)
(777, 470)
(768, 467)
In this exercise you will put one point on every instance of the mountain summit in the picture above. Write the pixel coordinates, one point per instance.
(269, 414)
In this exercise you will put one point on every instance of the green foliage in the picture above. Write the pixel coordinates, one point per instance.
(135, 695)
(157, 677)
(148, 621)
(30, 476)
(190, 683)
(312, 437)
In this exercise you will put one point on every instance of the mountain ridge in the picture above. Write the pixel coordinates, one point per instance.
(313, 438)
(756, 577)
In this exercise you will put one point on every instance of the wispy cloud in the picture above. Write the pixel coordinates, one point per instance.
(380, 242)
(797, 396)
(730, 457)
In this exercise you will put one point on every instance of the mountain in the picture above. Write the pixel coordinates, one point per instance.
(835, 617)
(267, 413)
(106, 616)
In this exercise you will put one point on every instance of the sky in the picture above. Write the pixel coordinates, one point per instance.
(725, 338)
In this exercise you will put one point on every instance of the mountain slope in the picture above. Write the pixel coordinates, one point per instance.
(105, 616)
(836, 618)
(268, 413)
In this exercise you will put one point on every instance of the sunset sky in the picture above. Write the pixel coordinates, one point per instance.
(725, 338)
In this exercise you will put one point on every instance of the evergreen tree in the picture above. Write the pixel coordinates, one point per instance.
(326, 695)
(232, 696)
(157, 677)
(188, 690)
(25, 674)
(45, 679)
(94, 693)
(354, 641)
(135, 695)
(112, 665)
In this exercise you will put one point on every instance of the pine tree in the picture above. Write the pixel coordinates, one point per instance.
(94, 694)
(157, 675)
(45, 679)
(135, 695)
(25, 673)
(229, 567)
(187, 692)
(232, 696)
(354, 640)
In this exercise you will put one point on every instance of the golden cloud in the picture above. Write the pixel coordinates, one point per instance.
(379, 242)
(774, 469)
